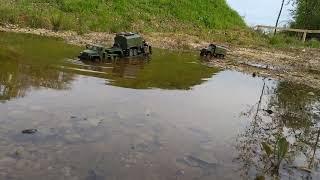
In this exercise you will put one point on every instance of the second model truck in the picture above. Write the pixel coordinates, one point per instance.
(214, 51)
(125, 45)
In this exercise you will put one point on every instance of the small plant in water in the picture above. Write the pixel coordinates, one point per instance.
(276, 154)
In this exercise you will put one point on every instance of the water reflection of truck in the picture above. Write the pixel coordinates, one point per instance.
(125, 45)
(129, 69)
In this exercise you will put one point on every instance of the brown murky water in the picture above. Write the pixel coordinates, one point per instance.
(162, 118)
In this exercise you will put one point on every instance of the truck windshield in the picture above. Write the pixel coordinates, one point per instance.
(94, 48)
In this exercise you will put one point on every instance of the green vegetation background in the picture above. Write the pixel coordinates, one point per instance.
(210, 20)
(120, 15)
(307, 14)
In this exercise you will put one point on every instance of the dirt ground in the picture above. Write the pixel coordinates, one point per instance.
(298, 65)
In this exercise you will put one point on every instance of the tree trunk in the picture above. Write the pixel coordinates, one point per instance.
(280, 12)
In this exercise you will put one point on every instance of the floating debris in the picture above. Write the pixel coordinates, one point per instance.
(254, 74)
(194, 161)
(29, 131)
(268, 111)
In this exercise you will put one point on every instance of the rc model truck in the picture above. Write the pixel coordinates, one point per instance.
(214, 51)
(125, 45)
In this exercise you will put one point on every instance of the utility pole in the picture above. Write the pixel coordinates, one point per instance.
(275, 30)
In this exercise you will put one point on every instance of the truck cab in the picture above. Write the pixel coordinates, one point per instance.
(93, 52)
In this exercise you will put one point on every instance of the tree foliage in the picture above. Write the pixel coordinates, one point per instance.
(307, 14)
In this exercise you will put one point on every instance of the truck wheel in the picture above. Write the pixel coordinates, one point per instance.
(135, 52)
(209, 54)
(96, 59)
(202, 53)
(150, 50)
(130, 52)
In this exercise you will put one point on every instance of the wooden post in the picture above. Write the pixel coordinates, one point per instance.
(304, 36)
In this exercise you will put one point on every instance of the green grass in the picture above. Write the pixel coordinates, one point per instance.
(287, 41)
(122, 15)
(208, 20)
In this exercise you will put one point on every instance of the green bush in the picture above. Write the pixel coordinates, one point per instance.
(8, 14)
(313, 43)
(37, 21)
(283, 40)
(56, 22)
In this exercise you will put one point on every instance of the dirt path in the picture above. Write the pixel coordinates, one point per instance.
(298, 65)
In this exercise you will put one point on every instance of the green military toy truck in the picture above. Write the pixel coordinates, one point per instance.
(125, 45)
(214, 51)
(93, 52)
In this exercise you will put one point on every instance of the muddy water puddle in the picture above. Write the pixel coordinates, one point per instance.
(163, 117)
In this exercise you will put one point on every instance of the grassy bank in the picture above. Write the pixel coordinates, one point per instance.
(287, 41)
(208, 20)
(121, 15)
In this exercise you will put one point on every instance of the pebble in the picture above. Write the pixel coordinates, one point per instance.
(254, 74)
(268, 111)
(311, 94)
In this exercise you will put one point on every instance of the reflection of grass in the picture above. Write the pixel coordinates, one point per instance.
(166, 70)
(34, 49)
(169, 71)
(25, 61)
(295, 102)
(16, 78)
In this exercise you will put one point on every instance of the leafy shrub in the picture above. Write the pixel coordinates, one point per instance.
(313, 43)
(56, 21)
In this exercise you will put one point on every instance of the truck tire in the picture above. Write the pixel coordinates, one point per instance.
(202, 53)
(217, 56)
(150, 49)
(130, 52)
(135, 52)
(96, 59)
